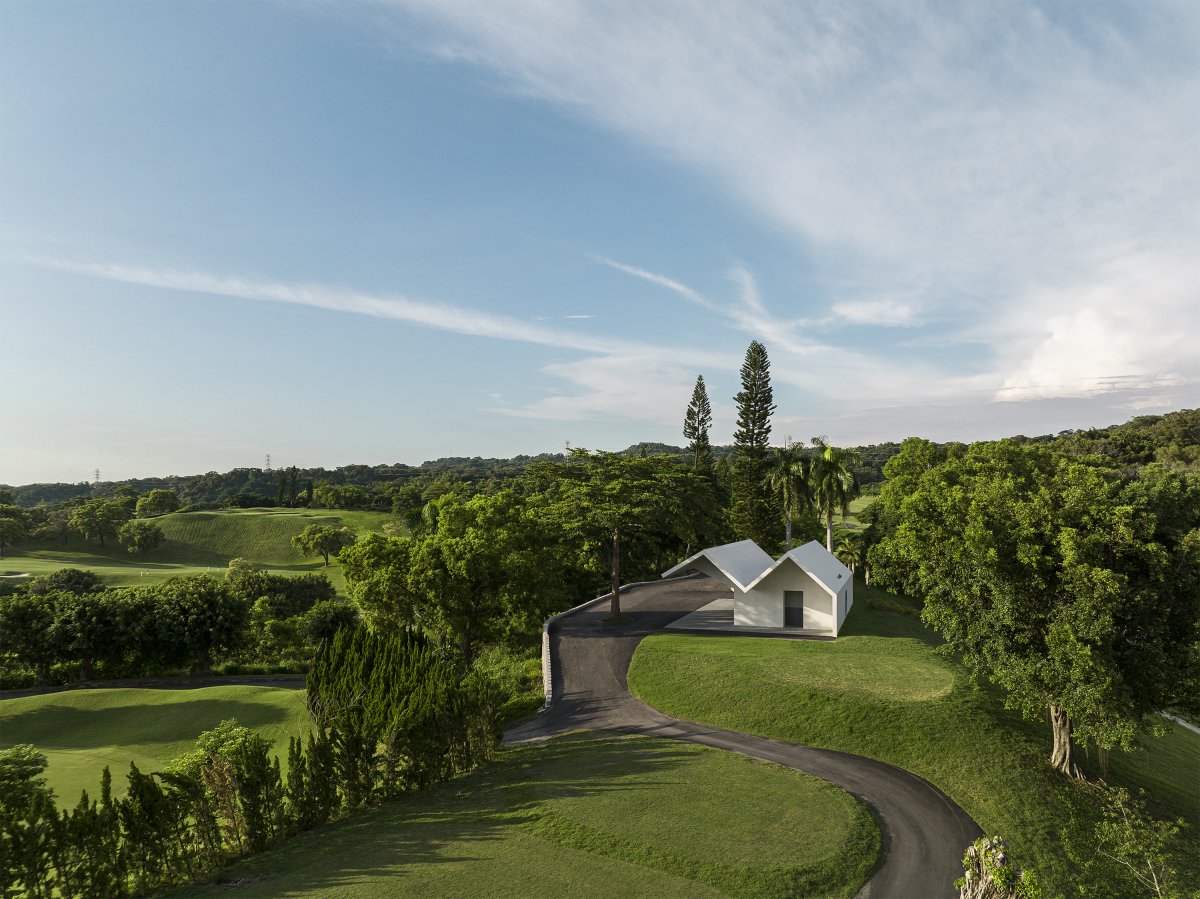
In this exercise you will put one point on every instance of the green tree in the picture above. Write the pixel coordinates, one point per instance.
(850, 551)
(26, 631)
(323, 540)
(1074, 587)
(484, 562)
(602, 499)
(157, 502)
(696, 423)
(753, 511)
(376, 570)
(1128, 834)
(203, 617)
(13, 526)
(140, 536)
(88, 627)
(789, 479)
(831, 470)
(96, 518)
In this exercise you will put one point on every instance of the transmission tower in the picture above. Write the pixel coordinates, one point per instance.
(268, 461)
(96, 476)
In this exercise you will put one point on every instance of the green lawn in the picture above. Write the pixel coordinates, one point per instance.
(586, 816)
(851, 522)
(81, 731)
(197, 543)
(882, 690)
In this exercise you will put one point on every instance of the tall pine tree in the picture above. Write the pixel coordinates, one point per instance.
(753, 513)
(696, 423)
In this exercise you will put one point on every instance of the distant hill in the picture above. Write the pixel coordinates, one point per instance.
(196, 543)
(1173, 438)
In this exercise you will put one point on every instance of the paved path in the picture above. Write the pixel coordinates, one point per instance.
(924, 832)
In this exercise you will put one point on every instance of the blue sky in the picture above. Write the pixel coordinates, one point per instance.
(377, 232)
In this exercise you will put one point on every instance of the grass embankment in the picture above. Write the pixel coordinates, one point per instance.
(198, 543)
(81, 731)
(611, 816)
(881, 690)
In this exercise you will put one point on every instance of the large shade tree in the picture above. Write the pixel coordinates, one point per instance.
(603, 500)
(1075, 587)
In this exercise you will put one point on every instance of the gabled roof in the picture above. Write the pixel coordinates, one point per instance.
(742, 562)
(746, 564)
(817, 562)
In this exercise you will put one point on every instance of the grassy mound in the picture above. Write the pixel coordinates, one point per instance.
(881, 690)
(81, 731)
(199, 542)
(588, 816)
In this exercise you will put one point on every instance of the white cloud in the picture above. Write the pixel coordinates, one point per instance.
(631, 387)
(981, 147)
(441, 316)
(661, 280)
(934, 163)
(1132, 326)
(882, 313)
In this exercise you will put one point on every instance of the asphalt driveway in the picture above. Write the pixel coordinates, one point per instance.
(924, 832)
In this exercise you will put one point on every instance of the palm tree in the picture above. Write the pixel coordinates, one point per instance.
(833, 483)
(850, 551)
(788, 479)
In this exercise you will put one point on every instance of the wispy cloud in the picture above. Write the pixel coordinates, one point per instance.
(661, 280)
(929, 164)
(441, 316)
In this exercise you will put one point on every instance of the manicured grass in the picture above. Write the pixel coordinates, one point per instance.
(851, 522)
(884, 690)
(587, 816)
(81, 731)
(198, 543)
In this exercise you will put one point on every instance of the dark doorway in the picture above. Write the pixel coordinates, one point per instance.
(793, 608)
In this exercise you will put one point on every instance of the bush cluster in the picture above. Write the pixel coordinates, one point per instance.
(67, 624)
(391, 715)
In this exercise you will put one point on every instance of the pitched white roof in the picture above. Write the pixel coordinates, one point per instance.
(746, 564)
(818, 563)
(742, 562)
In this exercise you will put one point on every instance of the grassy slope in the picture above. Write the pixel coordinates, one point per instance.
(199, 542)
(81, 731)
(587, 816)
(882, 691)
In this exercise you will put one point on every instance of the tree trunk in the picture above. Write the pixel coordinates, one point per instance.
(464, 642)
(787, 531)
(867, 574)
(325, 556)
(1062, 758)
(829, 531)
(614, 568)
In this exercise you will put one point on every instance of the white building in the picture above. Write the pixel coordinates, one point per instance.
(805, 588)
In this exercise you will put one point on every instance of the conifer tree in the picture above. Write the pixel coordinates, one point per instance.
(696, 423)
(753, 511)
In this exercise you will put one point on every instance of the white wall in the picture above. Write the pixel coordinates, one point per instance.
(767, 603)
(758, 608)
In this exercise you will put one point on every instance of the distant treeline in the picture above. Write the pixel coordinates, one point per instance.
(1173, 438)
(367, 487)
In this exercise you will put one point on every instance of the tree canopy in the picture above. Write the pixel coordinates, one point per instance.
(323, 540)
(1075, 587)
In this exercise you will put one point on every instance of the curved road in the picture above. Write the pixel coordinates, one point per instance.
(924, 832)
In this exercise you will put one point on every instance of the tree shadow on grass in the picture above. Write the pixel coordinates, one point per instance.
(434, 827)
(63, 727)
